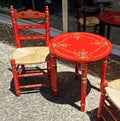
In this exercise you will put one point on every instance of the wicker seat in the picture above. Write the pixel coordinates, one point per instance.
(110, 101)
(90, 21)
(31, 55)
(26, 58)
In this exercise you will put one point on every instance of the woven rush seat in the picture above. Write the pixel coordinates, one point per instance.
(90, 21)
(113, 92)
(31, 55)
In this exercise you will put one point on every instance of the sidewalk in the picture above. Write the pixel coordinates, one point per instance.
(43, 106)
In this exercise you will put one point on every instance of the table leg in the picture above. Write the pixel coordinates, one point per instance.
(101, 105)
(54, 79)
(84, 86)
(84, 22)
(104, 68)
(102, 99)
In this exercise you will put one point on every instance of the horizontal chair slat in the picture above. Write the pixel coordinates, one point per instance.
(30, 14)
(35, 85)
(32, 37)
(31, 26)
(32, 74)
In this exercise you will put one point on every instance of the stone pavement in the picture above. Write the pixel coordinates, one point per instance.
(42, 105)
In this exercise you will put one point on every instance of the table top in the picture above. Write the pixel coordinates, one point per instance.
(80, 46)
(110, 17)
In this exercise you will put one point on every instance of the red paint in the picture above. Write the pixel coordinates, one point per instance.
(81, 47)
(27, 72)
(110, 17)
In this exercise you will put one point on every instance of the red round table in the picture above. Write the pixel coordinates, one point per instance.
(80, 47)
(109, 18)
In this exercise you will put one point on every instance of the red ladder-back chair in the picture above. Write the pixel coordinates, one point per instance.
(23, 59)
(109, 108)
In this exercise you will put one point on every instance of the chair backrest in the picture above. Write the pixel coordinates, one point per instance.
(84, 2)
(87, 8)
(30, 14)
(87, 2)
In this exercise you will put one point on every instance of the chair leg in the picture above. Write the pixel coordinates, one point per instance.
(16, 80)
(84, 22)
(79, 29)
(96, 29)
(23, 69)
(48, 69)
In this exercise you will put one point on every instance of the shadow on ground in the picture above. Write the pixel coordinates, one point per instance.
(95, 68)
(69, 89)
(92, 114)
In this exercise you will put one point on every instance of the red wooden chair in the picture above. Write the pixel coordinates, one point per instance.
(109, 108)
(25, 57)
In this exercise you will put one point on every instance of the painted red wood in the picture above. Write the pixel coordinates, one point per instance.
(82, 47)
(84, 86)
(102, 98)
(30, 14)
(25, 71)
(54, 77)
(110, 17)
(104, 69)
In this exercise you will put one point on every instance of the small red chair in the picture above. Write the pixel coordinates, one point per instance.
(27, 57)
(109, 108)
